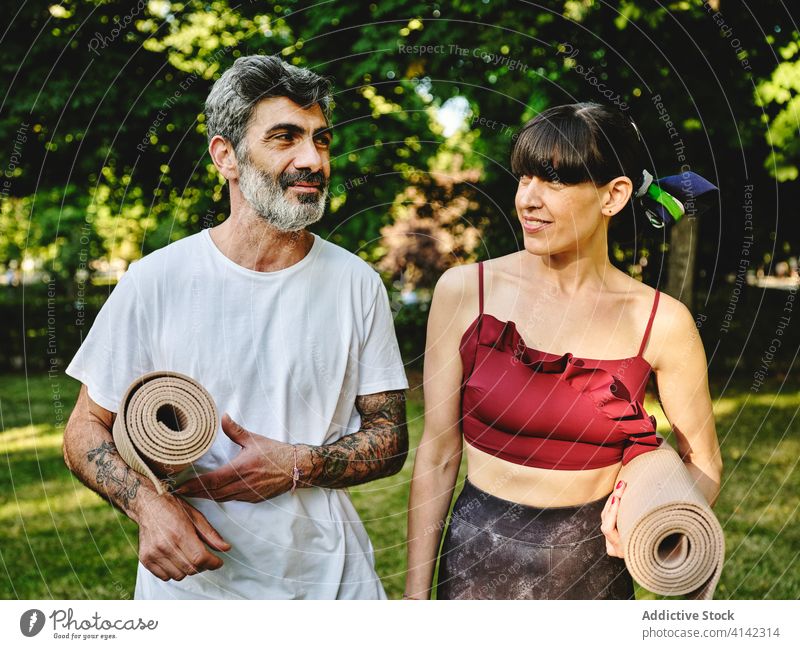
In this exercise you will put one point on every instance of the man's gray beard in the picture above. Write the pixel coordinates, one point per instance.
(266, 196)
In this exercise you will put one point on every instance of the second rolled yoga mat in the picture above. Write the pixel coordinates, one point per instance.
(165, 422)
(673, 542)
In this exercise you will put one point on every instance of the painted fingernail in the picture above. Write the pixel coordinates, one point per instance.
(613, 499)
(619, 484)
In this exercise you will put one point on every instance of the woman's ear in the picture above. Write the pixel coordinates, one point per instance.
(616, 195)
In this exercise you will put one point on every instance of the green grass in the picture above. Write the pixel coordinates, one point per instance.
(59, 540)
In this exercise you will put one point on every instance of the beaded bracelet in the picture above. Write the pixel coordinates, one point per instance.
(295, 471)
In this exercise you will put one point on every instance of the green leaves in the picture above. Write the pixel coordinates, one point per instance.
(110, 85)
(779, 95)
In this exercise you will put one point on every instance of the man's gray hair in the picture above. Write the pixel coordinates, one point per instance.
(250, 79)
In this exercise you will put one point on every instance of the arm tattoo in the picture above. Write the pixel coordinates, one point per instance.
(119, 481)
(377, 450)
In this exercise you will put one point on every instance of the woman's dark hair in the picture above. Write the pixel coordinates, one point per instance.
(576, 143)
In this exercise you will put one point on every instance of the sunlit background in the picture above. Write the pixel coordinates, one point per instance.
(103, 159)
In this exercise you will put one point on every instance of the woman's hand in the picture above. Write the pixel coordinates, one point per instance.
(608, 525)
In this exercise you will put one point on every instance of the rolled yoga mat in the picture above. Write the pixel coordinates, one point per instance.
(165, 422)
(673, 542)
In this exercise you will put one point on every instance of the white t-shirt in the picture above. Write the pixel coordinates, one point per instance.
(285, 353)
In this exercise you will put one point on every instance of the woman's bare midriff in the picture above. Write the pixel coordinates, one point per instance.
(538, 487)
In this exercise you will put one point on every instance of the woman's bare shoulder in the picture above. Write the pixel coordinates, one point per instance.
(635, 294)
(674, 331)
(463, 279)
(672, 314)
(506, 263)
(455, 305)
(456, 293)
(457, 283)
(505, 271)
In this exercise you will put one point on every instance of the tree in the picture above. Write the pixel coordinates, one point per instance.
(112, 95)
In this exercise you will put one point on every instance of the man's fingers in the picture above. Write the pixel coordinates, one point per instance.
(188, 559)
(237, 433)
(157, 570)
(212, 562)
(199, 559)
(206, 485)
(167, 560)
(238, 491)
(176, 544)
(206, 531)
(240, 496)
(173, 571)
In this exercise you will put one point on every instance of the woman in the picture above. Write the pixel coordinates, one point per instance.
(546, 432)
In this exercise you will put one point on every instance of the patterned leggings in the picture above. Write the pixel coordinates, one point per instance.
(497, 549)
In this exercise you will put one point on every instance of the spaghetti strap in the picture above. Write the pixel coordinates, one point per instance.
(480, 287)
(649, 324)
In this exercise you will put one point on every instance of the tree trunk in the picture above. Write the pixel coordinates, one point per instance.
(681, 261)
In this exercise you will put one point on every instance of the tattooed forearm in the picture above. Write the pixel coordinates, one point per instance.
(377, 450)
(118, 480)
(92, 457)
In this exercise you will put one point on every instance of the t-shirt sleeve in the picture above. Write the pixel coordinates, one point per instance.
(380, 365)
(116, 351)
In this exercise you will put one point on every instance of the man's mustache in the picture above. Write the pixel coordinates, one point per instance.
(289, 178)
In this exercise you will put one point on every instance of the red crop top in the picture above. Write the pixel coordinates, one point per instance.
(549, 411)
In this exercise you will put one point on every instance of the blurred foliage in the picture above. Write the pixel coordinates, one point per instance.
(104, 152)
(430, 232)
(780, 96)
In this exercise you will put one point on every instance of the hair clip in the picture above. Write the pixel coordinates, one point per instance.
(660, 206)
(647, 180)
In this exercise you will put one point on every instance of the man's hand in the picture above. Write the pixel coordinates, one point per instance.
(172, 534)
(261, 470)
(173, 537)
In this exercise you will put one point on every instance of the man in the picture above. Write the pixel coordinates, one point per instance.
(291, 335)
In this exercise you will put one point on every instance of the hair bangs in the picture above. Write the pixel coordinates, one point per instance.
(558, 145)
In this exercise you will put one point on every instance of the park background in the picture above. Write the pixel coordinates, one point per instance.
(103, 160)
